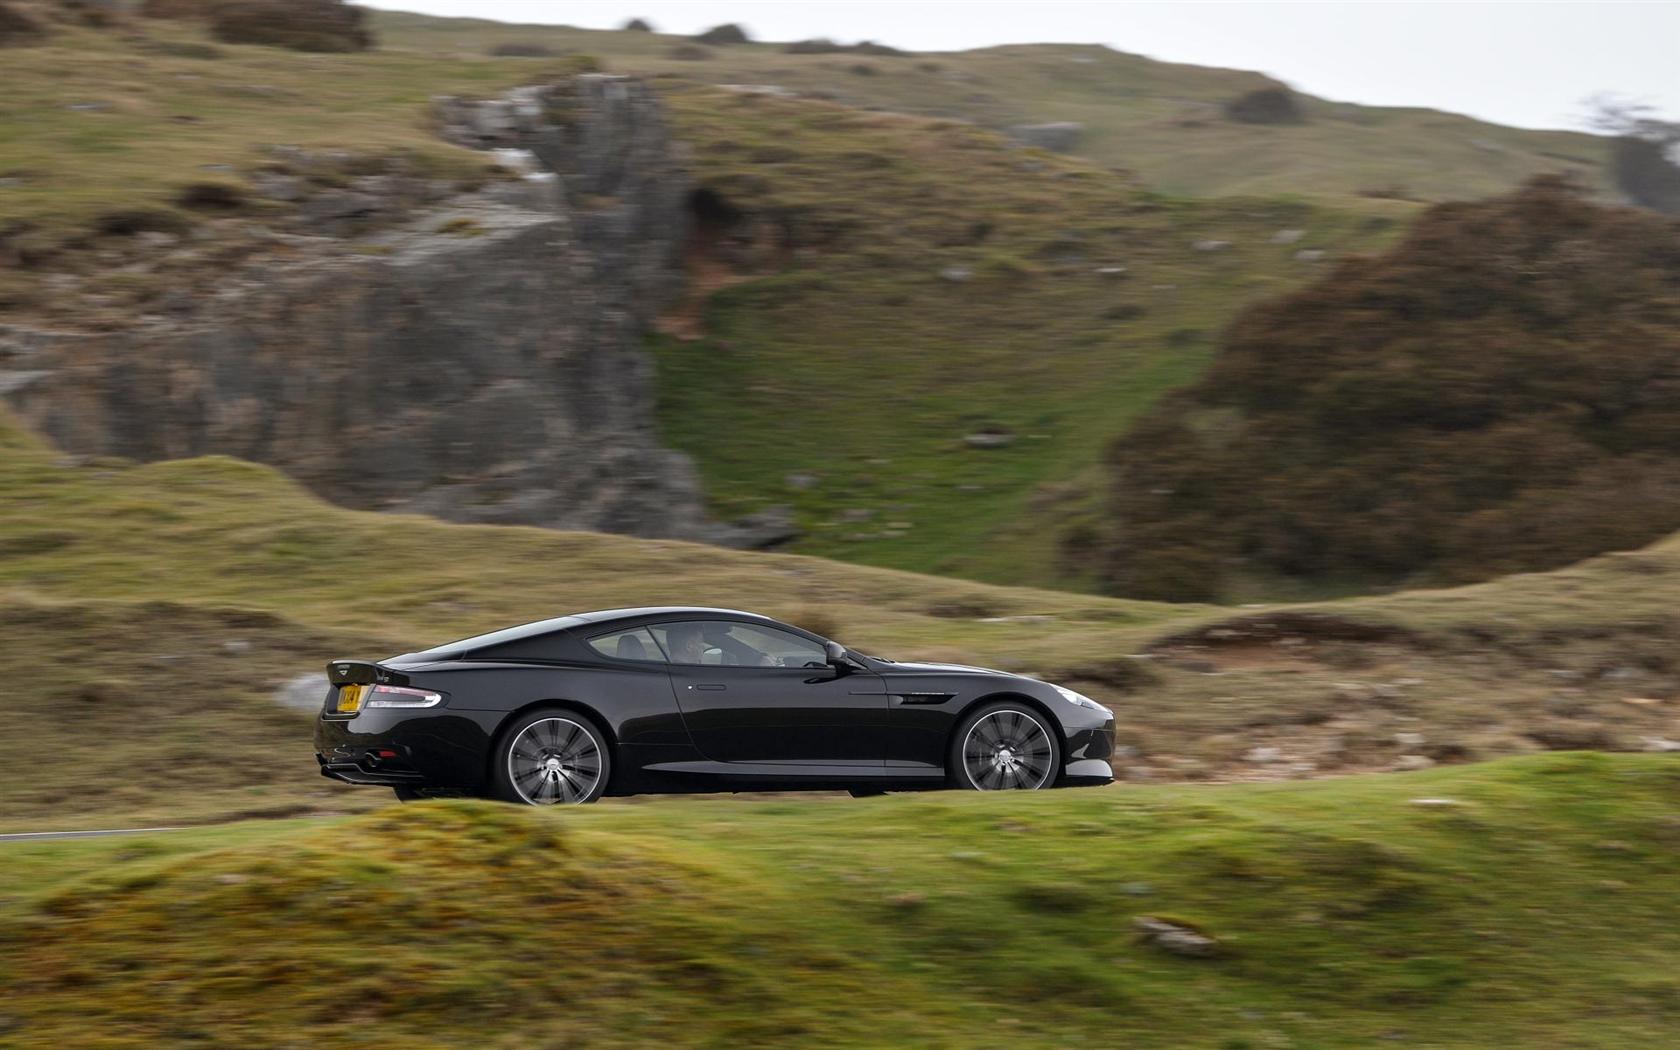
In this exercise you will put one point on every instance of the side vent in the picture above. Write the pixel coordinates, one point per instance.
(923, 698)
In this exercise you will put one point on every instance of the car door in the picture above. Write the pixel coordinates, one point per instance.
(751, 693)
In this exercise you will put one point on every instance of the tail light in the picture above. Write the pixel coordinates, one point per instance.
(401, 696)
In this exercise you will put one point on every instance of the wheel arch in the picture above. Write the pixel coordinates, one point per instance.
(1015, 696)
(554, 704)
(997, 697)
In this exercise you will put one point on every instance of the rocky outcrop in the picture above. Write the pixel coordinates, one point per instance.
(480, 362)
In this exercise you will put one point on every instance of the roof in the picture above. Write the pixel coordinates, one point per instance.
(659, 610)
(564, 623)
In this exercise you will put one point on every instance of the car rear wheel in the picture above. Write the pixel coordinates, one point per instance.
(1005, 746)
(408, 794)
(551, 757)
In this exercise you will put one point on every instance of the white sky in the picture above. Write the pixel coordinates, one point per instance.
(1517, 62)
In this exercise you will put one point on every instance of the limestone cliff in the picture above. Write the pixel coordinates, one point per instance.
(479, 361)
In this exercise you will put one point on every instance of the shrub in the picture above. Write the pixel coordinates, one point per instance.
(638, 25)
(689, 53)
(127, 222)
(1493, 395)
(18, 27)
(815, 46)
(862, 69)
(100, 14)
(1271, 105)
(211, 196)
(815, 619)
(1642, 170)
(184, 49)
(728, 33)
(521, 49)
(301, 25)
(181, 8)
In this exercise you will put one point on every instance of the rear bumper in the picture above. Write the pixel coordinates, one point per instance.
(435, 749)
(353, 773)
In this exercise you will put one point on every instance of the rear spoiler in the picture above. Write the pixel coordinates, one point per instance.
(361, 672)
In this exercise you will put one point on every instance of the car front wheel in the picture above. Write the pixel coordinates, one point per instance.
(1005, 746)
(551, 757)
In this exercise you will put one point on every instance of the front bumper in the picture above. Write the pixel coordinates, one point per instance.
(1088, 750)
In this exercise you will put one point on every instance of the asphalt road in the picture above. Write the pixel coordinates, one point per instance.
(49, 836)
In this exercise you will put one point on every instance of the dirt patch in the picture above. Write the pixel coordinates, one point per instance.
(1281, 641)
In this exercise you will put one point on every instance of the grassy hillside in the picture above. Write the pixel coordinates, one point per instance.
(161, 605)
(1527, 902)
(905, 284)
(1160, 119)
(885, 285)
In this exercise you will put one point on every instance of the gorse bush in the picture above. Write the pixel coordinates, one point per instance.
(1274, 105)
(1497, 394)
(18, 26)
(521, 49)
(301, 25)
(728, 33)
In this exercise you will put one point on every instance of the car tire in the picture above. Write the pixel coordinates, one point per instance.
(864, 792)
(1003, 746)
(407, 794)
(549, 757)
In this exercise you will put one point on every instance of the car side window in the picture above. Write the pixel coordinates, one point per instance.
(728, 643)
(635, 644)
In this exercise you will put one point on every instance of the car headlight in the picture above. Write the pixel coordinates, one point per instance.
(1079, 699)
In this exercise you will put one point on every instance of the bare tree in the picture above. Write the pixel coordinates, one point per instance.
(1645, 159)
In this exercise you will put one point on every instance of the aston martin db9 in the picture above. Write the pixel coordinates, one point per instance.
(637, 701)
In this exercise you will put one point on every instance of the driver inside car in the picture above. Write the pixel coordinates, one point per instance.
(735, 651)
(690, 643)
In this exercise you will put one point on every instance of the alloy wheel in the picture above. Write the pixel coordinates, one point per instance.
(553, 761)
(1006, 750)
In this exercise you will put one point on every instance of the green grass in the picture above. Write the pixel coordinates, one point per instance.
(160, 605)
(1535, 909)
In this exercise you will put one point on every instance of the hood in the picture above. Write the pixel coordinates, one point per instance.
(892, 666)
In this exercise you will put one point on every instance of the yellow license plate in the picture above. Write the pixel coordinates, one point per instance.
(350, 698)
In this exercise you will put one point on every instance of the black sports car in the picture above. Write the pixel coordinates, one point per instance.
(634, 701)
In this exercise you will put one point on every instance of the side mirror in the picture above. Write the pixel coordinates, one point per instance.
(836, 654)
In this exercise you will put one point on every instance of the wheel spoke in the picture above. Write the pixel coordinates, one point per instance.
(1008, 749)
(555, 760)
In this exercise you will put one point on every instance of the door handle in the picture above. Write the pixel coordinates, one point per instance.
(719, 686)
